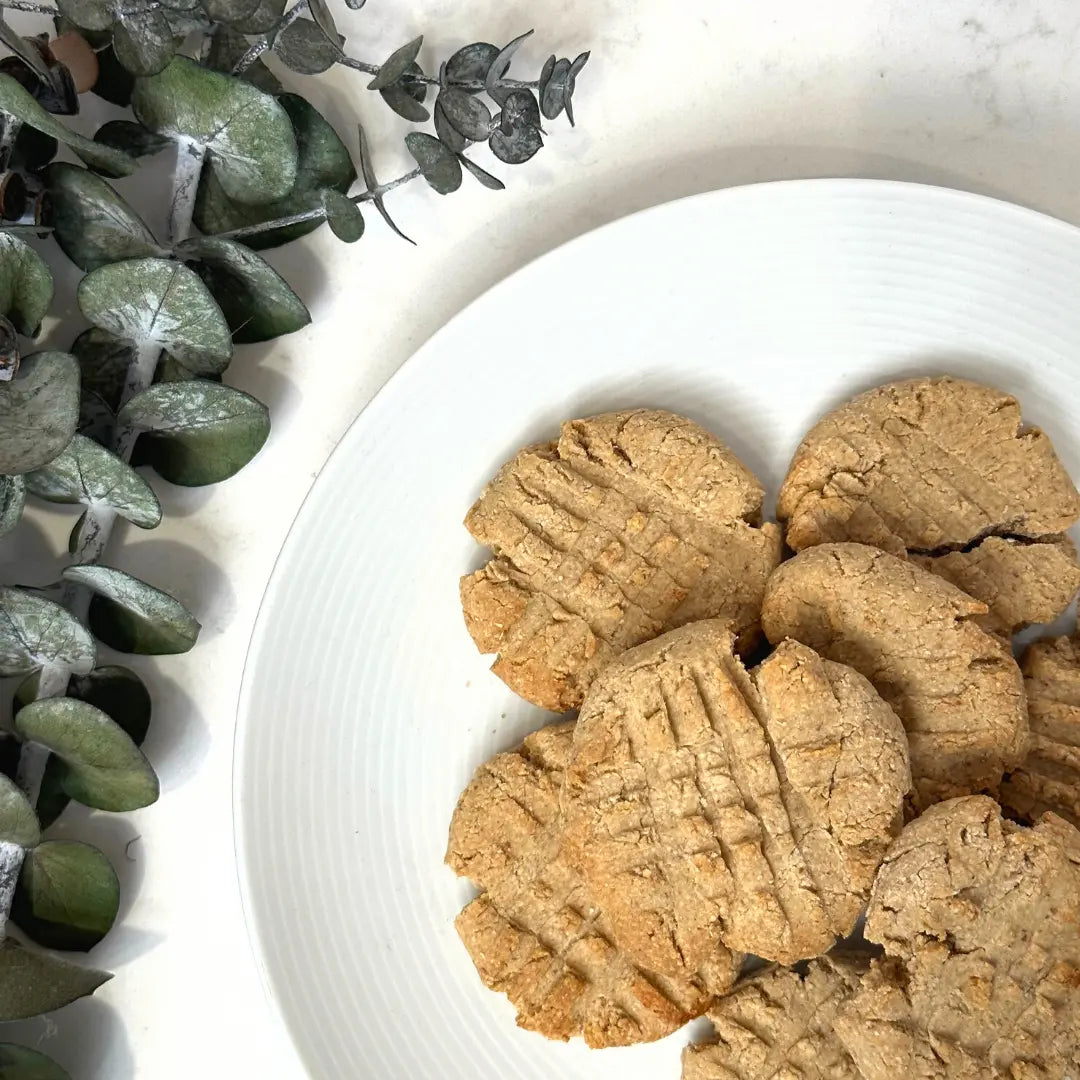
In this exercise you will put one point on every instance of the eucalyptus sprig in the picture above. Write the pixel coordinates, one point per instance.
(140, 390)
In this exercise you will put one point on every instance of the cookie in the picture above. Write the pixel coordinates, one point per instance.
(629, 525)
(978, 917)
(777, 1024)
(939, 466)
(1049, 778)
(534, 932)
(708, 807)
(955, 687)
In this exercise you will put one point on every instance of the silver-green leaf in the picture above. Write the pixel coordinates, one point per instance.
(88, 473)
(22, 1063)
(467, 114)
(438, 164)
(471, 63)
(158, 302)
(39, 411)
(105, 769)
(230, 11)
(133, 617)
(197, 432)
(246, 134)
(144, 41)
(32, 982)
(343, 215)
(303, 47)
(18, 822)
(12, 500)
(500, 66)
(36, 633)
(67, 897)
(396, 64)
(26, 284)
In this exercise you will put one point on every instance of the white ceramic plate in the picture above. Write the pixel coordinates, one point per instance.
(366, 708)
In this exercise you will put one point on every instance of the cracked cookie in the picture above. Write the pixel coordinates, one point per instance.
(955, 687)
(708, 807)
(943, 469)
(632, 523)
(777, 1023)
(1049, 778)
(978, 917)
(534, 932)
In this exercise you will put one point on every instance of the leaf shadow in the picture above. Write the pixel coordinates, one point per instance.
(28, 554)
(179, 739)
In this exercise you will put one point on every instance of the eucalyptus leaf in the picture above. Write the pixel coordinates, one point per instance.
(230, 11)
(25, 51)
(324, 163)
(367, 169)
(131, 138)
(471, 63)
(131, 616)
(18, 822)
(320, 12)
(88, 14)
(22, 1063)
(90, 474)
(407, 96)
(396, 64)
(355, 5)
(227, 46)
(144, 41)
(500, 66)
(519, 111)
(12, 499)
(91, 222)
(552, 87)
(439, 165)
(15, 101)
(245, 133)
(39, 411)
(482, 175)
(571, 84)
(103, 364)
(67, 897)
(157, 302)
(32, 982)
(26, 284)
(447, 133)
(197, 432)
(343, 215)
(36, 633)
(263, 19)
(468, 115)
(515, 148)
(303, 47)
(105, 769)
(255, 299)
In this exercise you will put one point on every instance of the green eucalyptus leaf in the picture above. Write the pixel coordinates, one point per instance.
(406, 97)
(396, 64)
(229, 11)
(439, 165)
(15, 101)
(12, 500)
(482, 175)
(551, 86)
(303, 47)
(90, 474)
(18, 822)
(197, 432)
(324, 163)
(133, 617)
(516, 148)
(36, 633)
(67, 897)
(448, 135)
(519, 110)
(246, 134)
(39, 411)
(22, 1063)
(115, 83)
(264, 18)
(255, 299)
(88, 14)
(467, 114)
(103, 361)
(131, 138)
(571, 83)
(343, 215)
(320, 12)
(158, 302)
(105, 769)
(367, 168)
(471, 63)
(27, 53)
(32, 982)
(144, 41)
(91, 222)
(500, 66)
(26, 285)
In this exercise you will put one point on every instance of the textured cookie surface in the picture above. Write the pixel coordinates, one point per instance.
(708, 806)
(978, 917)
(955, 687)
(631, 524)
(534, 933)
(1049, 778)
(942, 467)
(777, 1025)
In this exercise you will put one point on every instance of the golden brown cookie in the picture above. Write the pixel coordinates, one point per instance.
(534, 933)
(631, 524)
(942, 467)
(777, 1024)
(707, 806)
(955, 687)
(979, 920)
(1049, 778)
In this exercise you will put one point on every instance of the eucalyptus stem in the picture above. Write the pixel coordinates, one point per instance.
(266, 42)
(190, 156)
(433, 80)
(11, 860)
(34, 9)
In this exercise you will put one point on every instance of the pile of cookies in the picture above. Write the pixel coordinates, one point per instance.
(767, 749)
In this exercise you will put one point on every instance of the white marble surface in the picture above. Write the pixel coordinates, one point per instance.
(679, 97)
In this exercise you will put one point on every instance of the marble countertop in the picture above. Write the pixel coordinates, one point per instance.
(678, 98)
